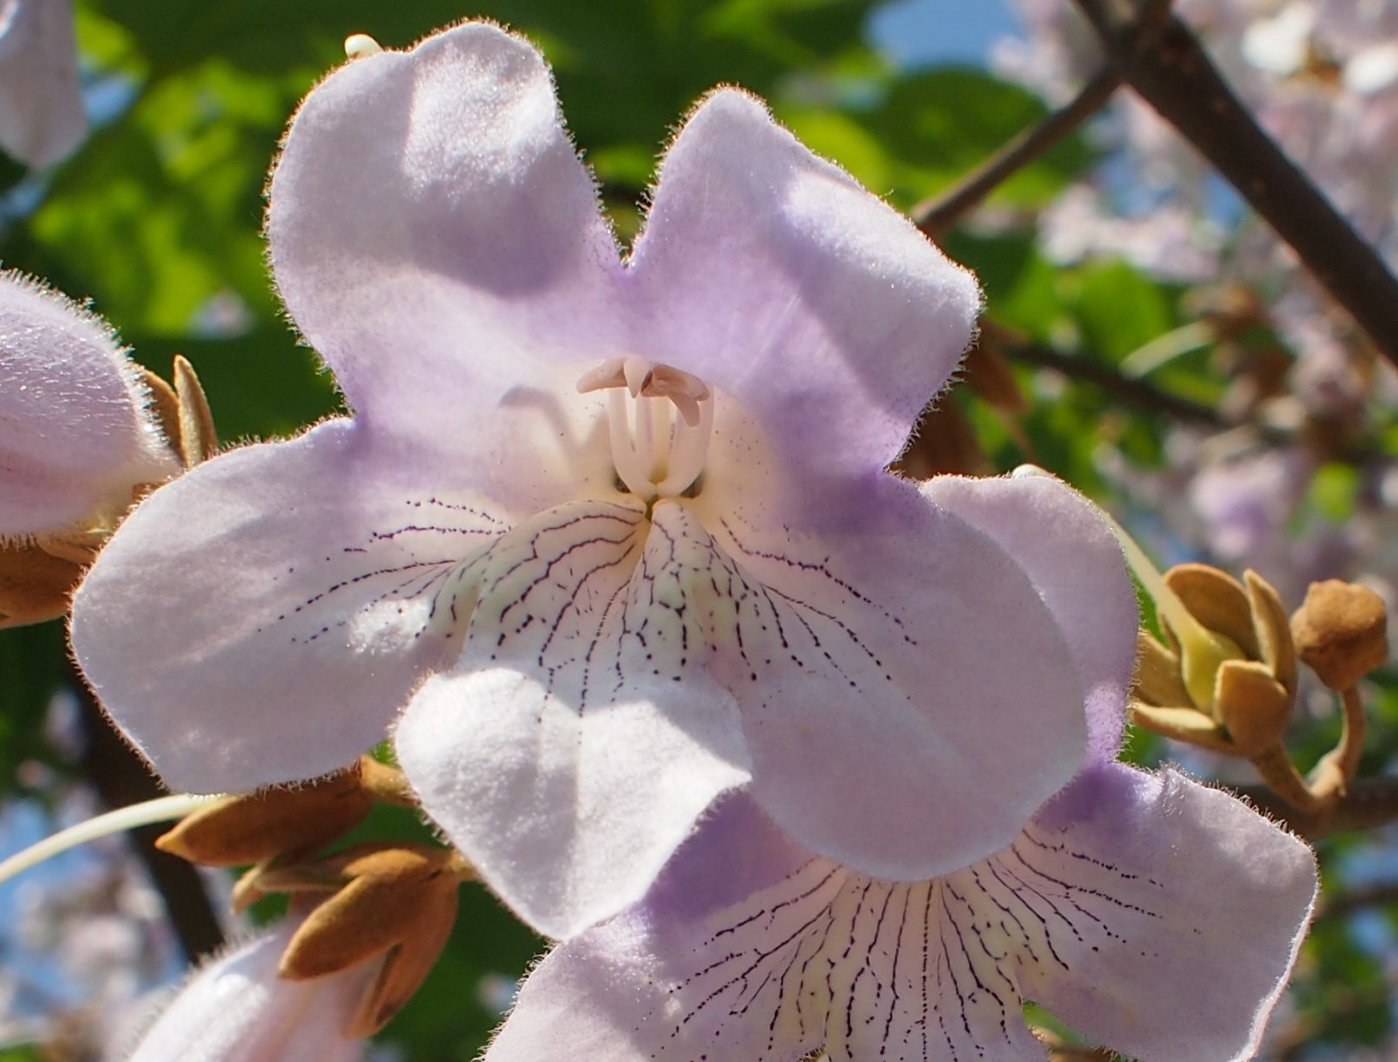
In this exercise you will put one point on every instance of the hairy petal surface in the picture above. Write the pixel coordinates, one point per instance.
(1075, 563)
(75, 434)
(1152, 914)
(434, 234)
(580, 726)
(773, 275)
(880, 689)
(236, 1009)
(41, 106)
(1188, 909)
(292, 594)
(700, 968)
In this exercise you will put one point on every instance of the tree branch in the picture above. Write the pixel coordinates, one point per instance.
(1367, 803)
(1377, 895)
(1157, 55)
(1131, 391)
(937, 214)
(120, 778)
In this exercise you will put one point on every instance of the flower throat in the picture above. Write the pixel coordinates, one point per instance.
(660, 420)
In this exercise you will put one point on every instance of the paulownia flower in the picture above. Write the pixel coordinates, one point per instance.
(616, 531)
(238, 1009)
(78, 439)
(41, 106)
(1150, 913)
(76, 430)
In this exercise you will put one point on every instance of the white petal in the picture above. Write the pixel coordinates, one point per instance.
(236, 1009)
(41, 107)
(293, 594)
(572, 747)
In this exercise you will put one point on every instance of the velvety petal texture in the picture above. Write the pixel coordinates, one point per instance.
(75, 432)
(772, 274)
(434, 234)
(872, 676)
(584, 652)
(236, 1009)
(293, 593)
(41, 106)
(1078, 571)
(1152, 914)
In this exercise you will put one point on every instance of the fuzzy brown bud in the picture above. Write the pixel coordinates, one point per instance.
(396, 901)
(276, 822)
(1341, 632)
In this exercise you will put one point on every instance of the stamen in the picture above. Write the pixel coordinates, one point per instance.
(161, 809)
(656, 453)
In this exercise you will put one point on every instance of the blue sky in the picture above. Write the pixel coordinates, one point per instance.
(921, 31)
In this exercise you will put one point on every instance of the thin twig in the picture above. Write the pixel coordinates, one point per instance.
(937, 214)
(1158, 56)
(120, 778)
(1380, 894)
(1131, 391)
(1367, 803)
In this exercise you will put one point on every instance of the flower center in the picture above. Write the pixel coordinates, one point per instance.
(660, 420)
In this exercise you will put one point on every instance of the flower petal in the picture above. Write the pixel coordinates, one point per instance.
(897, 722)
(706, 967)
(236, 1009)
(1079, 572)
(771, 274)
(578, 738)
(291, 594)
(433, 232)
(1181, 911)
(75, 435)
(41, 106)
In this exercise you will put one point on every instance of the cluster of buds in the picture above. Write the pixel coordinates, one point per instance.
(1225, 675)
(383, 907)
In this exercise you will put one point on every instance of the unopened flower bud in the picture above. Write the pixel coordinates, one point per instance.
(1234, 694)
(1341, 632)
(259, 826)
(1253, 706)
(398, 902)
(183, 412)
(34, 584)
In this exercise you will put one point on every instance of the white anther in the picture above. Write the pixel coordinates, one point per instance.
(361, 46)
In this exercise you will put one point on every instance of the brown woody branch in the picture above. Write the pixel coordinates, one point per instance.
(1367, 803)
(120, 778)
(1157, 55)
(1126, 389)
(936, 215)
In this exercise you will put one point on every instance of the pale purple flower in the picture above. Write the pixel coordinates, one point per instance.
(1149, 913)
(615, 531)
(41, 106)
(76, 435)
(237, 1009)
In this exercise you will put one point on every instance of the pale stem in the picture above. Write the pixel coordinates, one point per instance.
(643, 435)
(1338, 767)
(1277, 770)
(1163, 349)
(689, 451)
(628, 466)
(161, 809)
